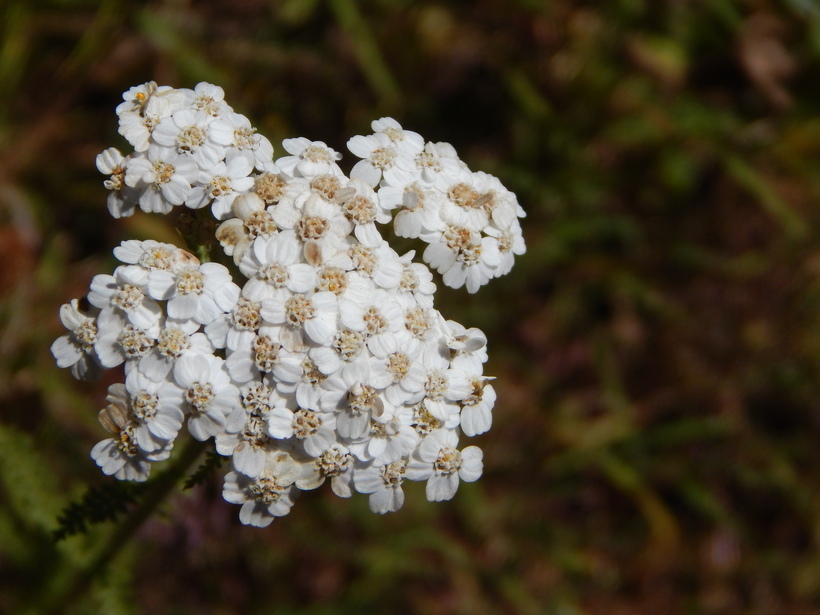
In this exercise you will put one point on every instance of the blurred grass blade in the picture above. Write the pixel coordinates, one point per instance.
(529, 99)
(662, 524)
(746, 176)
(167, 34)
(14, 49)
(367, 51)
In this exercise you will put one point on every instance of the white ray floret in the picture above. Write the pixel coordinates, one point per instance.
(443, 466)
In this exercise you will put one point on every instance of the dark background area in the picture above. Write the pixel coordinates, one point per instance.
(657, 350)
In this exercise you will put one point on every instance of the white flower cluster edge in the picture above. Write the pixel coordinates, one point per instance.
(330, 361)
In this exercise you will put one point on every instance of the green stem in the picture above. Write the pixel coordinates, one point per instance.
(197, 229)
(80, 579)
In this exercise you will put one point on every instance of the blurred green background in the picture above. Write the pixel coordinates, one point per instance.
(657, 350)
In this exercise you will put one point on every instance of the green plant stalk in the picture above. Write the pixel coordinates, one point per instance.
(79, 580)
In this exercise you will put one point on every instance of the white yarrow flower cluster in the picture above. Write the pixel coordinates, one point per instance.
(469, 220)
(190, 149)
(327, 360)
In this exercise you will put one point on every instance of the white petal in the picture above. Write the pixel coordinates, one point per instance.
(386, 500)
(366, 172)
(280, 423)
(248, 460)
(440, 488)
(321, 330)
(176, 190)
(418, 470)
(302, 278)
(65, 352)
(472, 465)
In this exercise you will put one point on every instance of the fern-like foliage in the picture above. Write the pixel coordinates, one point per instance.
(101, 503)
(213, 461)
(27, 493)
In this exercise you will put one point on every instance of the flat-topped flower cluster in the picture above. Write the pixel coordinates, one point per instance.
(328, 361)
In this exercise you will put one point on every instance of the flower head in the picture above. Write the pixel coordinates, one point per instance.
(319, 355)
